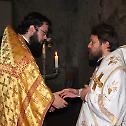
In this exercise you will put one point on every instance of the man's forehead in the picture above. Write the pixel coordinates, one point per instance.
(44, 26)
(93, 37)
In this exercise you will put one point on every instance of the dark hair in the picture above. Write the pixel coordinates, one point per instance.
(33, 18)
(105, 33)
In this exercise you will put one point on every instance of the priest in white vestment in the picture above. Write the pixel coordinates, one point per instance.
(104, 99)
(105, 105)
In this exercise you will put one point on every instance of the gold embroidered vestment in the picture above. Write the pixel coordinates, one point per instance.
(24, 97)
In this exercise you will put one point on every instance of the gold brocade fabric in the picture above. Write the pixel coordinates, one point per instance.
(24, 97)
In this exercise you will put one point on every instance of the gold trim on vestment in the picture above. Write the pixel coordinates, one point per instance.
(101, 97)
(24, 97)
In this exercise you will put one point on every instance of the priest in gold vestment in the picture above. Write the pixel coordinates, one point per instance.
(24, 97)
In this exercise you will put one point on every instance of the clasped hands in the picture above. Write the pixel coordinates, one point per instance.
(59, 96)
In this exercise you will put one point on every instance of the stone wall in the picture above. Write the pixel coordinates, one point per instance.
(72, 21)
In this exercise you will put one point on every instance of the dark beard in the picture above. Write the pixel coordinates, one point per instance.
(93, 59)
(35, 46)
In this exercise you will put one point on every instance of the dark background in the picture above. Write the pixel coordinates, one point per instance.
(72, 21)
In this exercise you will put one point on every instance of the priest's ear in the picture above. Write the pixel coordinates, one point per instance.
(107, 45)
(31, 29)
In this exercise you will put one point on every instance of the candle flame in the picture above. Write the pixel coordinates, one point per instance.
(55, 53)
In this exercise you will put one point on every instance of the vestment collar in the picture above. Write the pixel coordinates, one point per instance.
(25, 39)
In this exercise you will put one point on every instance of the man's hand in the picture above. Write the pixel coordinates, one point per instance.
(58, 101)
(69, 93)
(84, 92)
(52, 109)
(73, 93)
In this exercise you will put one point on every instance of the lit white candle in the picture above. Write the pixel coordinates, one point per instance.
(44, 51)
(56, 60)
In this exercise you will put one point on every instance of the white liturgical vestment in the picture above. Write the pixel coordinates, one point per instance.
(105, 105)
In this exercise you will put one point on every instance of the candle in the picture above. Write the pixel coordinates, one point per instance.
(44, 51)
(56, 60)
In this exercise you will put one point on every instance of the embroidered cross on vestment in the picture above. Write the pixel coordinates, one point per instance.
(97, 81)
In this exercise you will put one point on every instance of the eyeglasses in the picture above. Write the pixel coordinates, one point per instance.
(43, 32)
